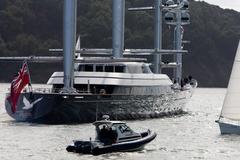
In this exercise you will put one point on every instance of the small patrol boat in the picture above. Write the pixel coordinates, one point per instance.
(112, 136)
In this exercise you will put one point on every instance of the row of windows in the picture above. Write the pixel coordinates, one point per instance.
(101, 68)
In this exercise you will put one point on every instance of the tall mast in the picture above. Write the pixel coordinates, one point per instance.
(178, 45)
(69, 40)
(157, 58)
(118, 18)
(157, 35)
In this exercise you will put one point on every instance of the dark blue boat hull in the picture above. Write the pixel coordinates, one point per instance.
(125, 146)
(76, 108)
(226, 128)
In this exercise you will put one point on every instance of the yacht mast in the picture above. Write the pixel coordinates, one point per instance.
(69, 38)
(157, 35)
(118, 18)
(178, 44)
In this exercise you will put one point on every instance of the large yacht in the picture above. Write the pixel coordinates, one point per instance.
(95, 84)
(123, 90)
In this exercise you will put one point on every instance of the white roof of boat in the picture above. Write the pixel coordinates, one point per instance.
(118, 63)
(107, 122)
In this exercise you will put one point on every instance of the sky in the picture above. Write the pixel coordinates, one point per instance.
(231, 4)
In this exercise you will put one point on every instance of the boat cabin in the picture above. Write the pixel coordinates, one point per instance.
(110, 132)
(118, 78)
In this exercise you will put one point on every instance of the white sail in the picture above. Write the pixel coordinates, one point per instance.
(231, 105)
(78, 44)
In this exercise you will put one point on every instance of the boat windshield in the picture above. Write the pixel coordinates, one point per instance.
(124, 128)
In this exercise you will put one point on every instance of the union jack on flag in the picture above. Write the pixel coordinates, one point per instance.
(17, 85)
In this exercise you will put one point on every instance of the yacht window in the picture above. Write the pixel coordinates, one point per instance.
(119, 69)
(81, 68)
(108, 68)
(88, 68)
(99, 68)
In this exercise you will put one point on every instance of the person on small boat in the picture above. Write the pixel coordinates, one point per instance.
(103, 133)
(108, 135)
(112, 135)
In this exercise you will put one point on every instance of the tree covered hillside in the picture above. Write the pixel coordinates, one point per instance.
(31, 27)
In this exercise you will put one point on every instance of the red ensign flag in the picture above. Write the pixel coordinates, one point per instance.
(17, 86)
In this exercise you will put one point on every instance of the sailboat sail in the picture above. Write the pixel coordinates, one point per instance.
(231, 106)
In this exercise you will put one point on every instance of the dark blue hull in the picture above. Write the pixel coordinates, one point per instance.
(226, 128)
(83, 108)
(125, 146)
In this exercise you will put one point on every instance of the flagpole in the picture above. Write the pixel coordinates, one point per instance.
(30, 80)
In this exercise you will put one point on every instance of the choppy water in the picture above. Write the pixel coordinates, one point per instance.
(192, 136)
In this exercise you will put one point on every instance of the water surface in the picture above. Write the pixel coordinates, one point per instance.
(192, 136)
